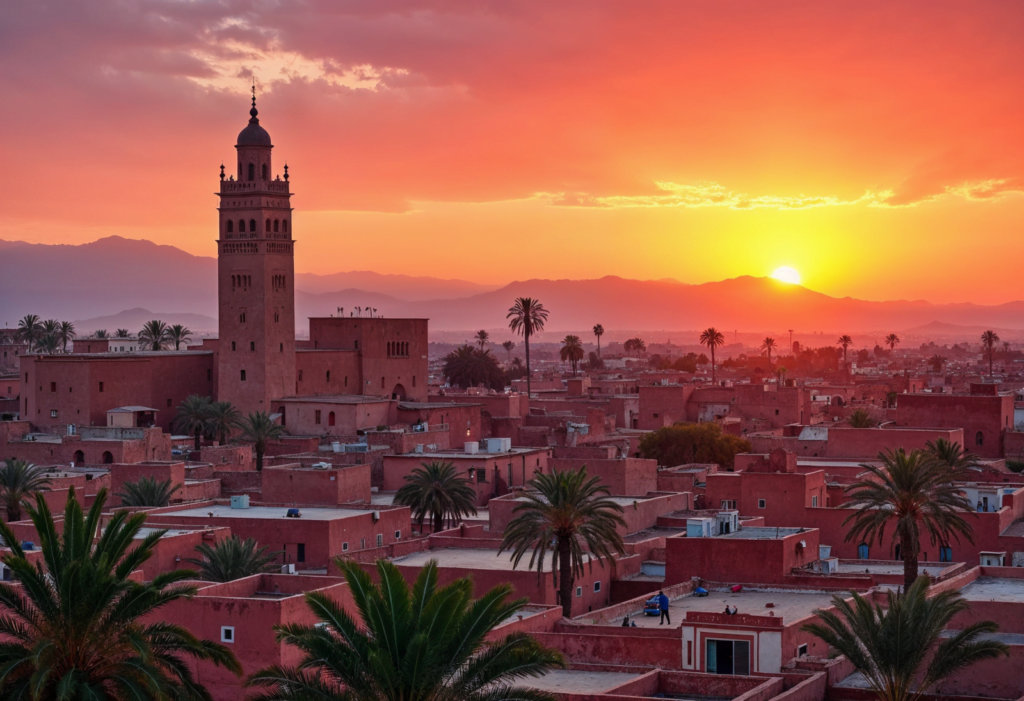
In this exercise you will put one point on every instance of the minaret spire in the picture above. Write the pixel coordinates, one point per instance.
(253, 112)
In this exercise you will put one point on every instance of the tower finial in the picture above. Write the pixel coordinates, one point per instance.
(253, 111)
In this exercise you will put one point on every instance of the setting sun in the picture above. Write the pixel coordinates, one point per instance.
(787, 275)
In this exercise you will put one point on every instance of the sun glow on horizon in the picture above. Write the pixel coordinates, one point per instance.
(788, 275)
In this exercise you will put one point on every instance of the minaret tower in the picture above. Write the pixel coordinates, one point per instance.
(256, 275)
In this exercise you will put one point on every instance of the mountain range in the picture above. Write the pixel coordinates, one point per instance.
(114, 281)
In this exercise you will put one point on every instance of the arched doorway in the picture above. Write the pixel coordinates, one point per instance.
(398, 392)
(79, 457)
(108, 457)
(330, 419)
(837, 400)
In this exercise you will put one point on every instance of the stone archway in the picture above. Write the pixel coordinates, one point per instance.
(398, 392)
(108, 457)
(79, 457)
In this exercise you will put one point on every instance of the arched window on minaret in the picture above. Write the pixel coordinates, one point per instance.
(231, 226)
(241, 225)
(268, 225)
(252, 171)
(263, 171)
(284, 226)
(252, 225)
(275, 225)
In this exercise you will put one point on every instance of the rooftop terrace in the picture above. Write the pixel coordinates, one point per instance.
(268, 512)
(573, 681)
(788, 605)
(994, 589)
(465, 558)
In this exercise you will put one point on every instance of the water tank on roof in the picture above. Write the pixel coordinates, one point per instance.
(471, 447)
(700, 527)
(356, 448)
(499, 445)
(240, 501)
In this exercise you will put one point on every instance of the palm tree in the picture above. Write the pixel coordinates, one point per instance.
(30, 330)
(154, 335)
(233, 558)
(65, 332)
(423, 644)
(19, 481)
(468, 366)
(527, 317)
(48, 344)
(508, 346)
(635, 345)
(193, 413)
(892, 340)
(572, 351)
(562, 512)
(122, 333)
(914, 492)
(1006, 346)
(891, 644)
(989, 339)
(482, 337)
(712, 338)
(951, 454)
(767, 346)
(100, 333)
(436, 490)
(259, 429)
(51, 327)
(598, 332)
(845, 341)
(75, 630)
(937, 361)
(178, 334)
(860, 418)
(147, 492)
(221, 418)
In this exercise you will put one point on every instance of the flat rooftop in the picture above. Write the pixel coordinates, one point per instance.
(336, 399)
(572, 681)
(466, 558)
(994, 589)
(858, 567)
(413, 406)
(788, 605)
(762, 533)
(268, 512)
(143, 532)
(462, 455)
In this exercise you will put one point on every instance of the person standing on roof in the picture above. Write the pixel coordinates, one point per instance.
(663, 605)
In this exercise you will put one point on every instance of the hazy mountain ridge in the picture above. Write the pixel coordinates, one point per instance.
(114, 274)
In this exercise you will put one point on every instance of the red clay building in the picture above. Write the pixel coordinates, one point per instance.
(983, 415)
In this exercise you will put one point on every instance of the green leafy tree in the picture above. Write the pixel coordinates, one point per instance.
(74, 629)
(65, 333)
(767, 347)
(436, 490)
(572, 352)
(989, 340)
(684, 443)
(598, 332)
(155, 335)
(233, 558)
(221, 418)
(122, 333)
(560, 514)
(147, 491)
(509, 346)
(527, 318)
(911, 492)
(259, 429)
(178, 334)
(20, 481)
(712, 338)
(193, 413)
(30, 330)
(481, 338)
(845, 341)
(861, 418)
(428, 643)
(891, 645)
(467, 366)
(100, 333)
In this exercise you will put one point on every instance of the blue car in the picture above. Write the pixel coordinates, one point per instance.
(652, 607)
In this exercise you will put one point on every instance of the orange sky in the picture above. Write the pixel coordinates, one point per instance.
(875, 148)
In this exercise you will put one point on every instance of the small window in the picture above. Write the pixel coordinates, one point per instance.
(268, 225)
(802, 650)
(300, 553)
(276, 222)
(232, 345)
(597, 587)
(284, 225)
(252, 225)
(227, 634)
(655, 414)
(168, 401)
(344, 547)
(101, 387)
(776, 412)
(761, 503)
(979, 438)
(945, 554)
(398, 535)
(209, 378)
(380, 539)
(579, 591)
(243, 375)
(362, 543)
(53, 413)
(328, 375)
(53, 386)
(252, 345)
(252, 171)
(241, 225)
(863, 551)
(316, 416)
(814, 501)
(231, 226)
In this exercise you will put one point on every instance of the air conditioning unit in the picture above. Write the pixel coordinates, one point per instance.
(472, 447)
(336, 447)
(357, 448)
(830, 565)
(419, 428)
(240, 501)
(418, 448)
(376, 516)
(499, 445)
(288, 569)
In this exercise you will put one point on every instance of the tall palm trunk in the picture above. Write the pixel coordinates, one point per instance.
(13, 510)
(199, 433)
(526, 338)
(565, 581)
(438, 521)
(259, 459)
(991, 376)
(714, 377)
(599, 346)
(910, 563)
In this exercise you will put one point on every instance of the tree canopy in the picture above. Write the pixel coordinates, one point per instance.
(693, 443)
